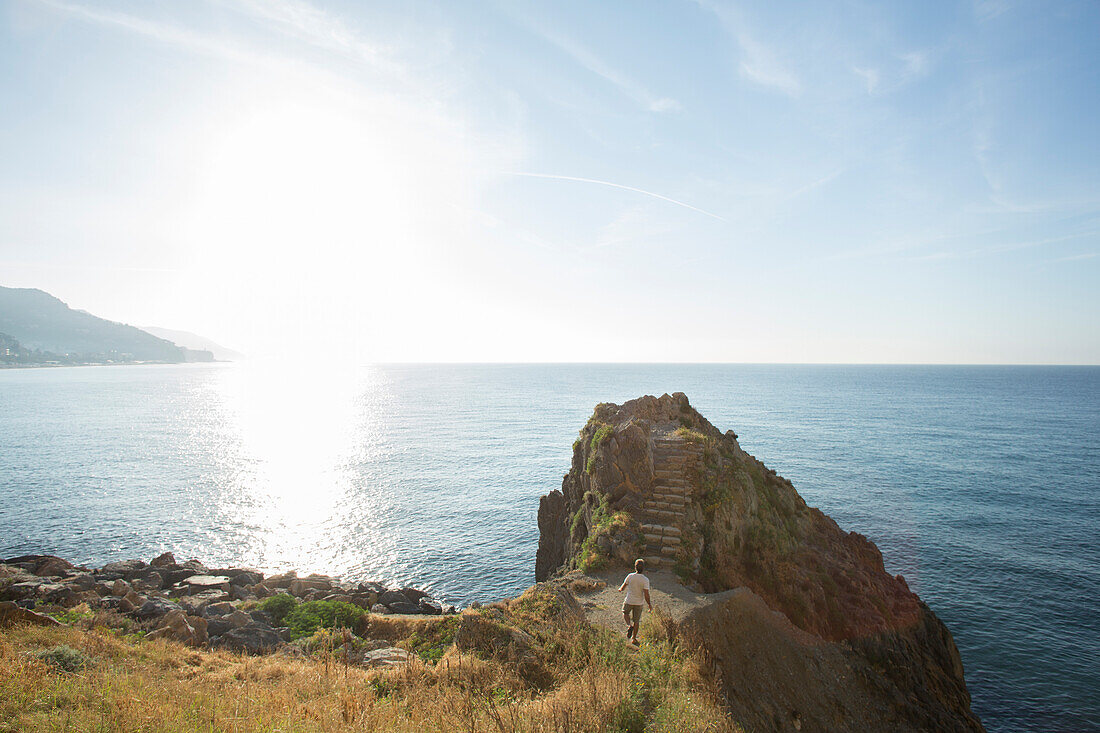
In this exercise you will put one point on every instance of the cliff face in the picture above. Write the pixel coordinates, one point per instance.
(653, 478)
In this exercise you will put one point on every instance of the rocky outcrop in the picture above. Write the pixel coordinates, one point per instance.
(186, 602)
(653, 478)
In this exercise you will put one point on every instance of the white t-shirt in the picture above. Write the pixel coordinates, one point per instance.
(635, 584)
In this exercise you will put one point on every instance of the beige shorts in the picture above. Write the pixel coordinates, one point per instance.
(635, 612)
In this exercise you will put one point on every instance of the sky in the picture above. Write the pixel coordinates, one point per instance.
(682, 181)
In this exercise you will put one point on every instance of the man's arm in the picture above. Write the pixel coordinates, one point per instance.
(647, 601)
(622, 587)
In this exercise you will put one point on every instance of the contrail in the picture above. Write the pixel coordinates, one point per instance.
(625, 188)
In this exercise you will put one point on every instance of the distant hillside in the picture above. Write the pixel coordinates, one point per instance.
(42, 323)
(192, 341)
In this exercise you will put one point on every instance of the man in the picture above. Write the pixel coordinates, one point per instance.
(636, 586)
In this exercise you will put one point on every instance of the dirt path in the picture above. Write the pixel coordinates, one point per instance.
(603, 605)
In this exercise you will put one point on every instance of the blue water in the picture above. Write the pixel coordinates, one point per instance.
(980, 484)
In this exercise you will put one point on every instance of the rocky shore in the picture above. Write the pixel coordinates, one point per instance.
(202, 607)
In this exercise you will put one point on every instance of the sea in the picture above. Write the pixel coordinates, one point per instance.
(980, 484)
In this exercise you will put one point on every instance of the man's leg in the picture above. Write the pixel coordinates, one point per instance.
(629, 623)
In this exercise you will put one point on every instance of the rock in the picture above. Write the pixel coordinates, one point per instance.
(302, 587)
(339, 598)
(244, 577)
(155, 608)
(261, 617)
(407, 608)
(365, 602)
(200, 583)
(123, 568)
(163, 560)
(413, 594)
(379, 609)
(220, 608)
(391, 597)
(430, 606)
(216, 626)
(20, 591)
(12, 615)
(237, 619)
(41, 565)
(553, 535)
(120, 588)
(283, 580)
(252, 639)
(131, 602)
(389, 657)
(371, 586)
(81, 582)
(189, 630)
(149, 581)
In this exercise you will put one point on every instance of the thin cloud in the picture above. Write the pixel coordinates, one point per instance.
(164, 33)
(598, 66)
(312, 25)
(296, 18)
(1077, 258)
(759, 63)
(622, 187)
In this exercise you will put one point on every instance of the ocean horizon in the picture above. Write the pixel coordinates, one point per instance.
(979, 483)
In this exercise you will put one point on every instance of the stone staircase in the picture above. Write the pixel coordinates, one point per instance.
(662, 514)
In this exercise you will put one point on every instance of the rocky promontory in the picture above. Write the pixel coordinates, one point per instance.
(818, 632)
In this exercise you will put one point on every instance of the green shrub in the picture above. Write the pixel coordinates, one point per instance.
(305, 619)
(278, 606)
(599, 438)
(63, 658)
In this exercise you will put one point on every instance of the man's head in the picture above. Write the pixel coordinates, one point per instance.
(639, 565)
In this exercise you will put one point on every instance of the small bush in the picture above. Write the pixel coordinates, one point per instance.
(305, 619)
(63, 658)
(278, 606)
(599, 438)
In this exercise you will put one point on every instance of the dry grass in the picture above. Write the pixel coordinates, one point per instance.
(566, 677)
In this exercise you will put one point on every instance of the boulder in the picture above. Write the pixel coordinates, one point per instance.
(164, 560)
(391, 597)
(301, 587)
(148, 581)
(237, 619)
(200, 583)
(221, 608)
(389, 657)
(244, 577)
(430, 606)
(21, 591)
(12, 614)
(251, 639)
(281, 580)
(155, 608)
(379, 609)
(41, 565)
(371, 586)
(261, 617)
(123, 567)
(409, 608)
(81, 582)
(413, 594)
(189, 630)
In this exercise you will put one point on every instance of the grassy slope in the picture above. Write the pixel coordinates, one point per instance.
(525, 665)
